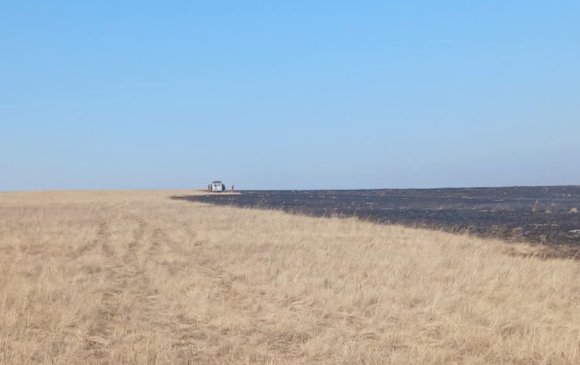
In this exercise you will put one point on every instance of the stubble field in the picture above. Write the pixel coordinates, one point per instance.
(139, 278)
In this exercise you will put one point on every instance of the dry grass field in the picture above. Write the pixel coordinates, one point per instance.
(137, 278)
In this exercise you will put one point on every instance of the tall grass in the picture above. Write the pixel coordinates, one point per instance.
(137, 278)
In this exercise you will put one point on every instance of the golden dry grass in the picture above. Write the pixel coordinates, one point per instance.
(137, 278)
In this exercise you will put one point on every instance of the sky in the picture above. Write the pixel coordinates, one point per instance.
(288, 94)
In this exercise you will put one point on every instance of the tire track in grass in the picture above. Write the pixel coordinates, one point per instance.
(182, 328)
(186, 332)
(99, 333)
(125, 282)
(102, 235)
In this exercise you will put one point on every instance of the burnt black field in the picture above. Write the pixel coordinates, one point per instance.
(533, 214)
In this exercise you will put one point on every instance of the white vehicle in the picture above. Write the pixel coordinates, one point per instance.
(217, 187)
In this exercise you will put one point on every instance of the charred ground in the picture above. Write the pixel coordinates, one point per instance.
(534, 214)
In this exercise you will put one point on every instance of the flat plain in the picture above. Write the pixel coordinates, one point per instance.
(138, 278)
(542, 214)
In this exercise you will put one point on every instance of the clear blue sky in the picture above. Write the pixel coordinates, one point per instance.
(294, 94)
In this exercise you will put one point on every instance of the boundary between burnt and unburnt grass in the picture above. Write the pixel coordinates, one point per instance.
(539, 215)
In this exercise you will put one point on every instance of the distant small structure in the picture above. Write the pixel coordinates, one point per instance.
(217, 187)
